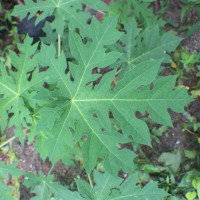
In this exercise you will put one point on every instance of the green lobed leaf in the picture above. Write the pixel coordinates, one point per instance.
(63, 10)
(45, 188)
(76, 106)
(16, 85)
(148, 44)
(141, 10)
(74, 114)
(112, 188)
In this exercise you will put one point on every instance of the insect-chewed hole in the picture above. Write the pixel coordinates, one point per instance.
(43, 69)
(14, 69)
(77, 30)
(84, 138)
(94, 115)
(67, 70)
(71, 78)
(110, 115)
(120, 131)
(123, 175)
(103, 129)
(89, 20)
(139, 115)
(10, 115)
(151, 86)
(30, 74)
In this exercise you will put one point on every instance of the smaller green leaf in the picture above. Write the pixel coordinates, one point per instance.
(45, 188)
(9, 169)
(173, 160)
(191, 195)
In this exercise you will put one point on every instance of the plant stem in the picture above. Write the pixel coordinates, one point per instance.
(52, 166)
(59, 45)
(90, 180)
(8, 141)
(189, 131)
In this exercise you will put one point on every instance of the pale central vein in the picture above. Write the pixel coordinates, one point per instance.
(91, 58)
(124, 100)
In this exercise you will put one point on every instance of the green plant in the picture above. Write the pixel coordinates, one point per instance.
(71, 112)
(188, 6)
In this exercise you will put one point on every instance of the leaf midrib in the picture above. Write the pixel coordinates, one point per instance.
(88, 64)
(125, 100)
(150, 51)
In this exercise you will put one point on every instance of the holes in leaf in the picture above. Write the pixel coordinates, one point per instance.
(103, 129)
(84, 138)
(98, 70)
(67, 70)
(141, 39)
(110, 115)
(121, 28)
(49, 86)
(151, 86)
(46, 85)
(30, 74)
(94, 115)
(14, 69)
(43, 69)
(84, 39)
(115, 80)
(89, 20)
(94, 83)
(139, 115)
(10, 115)
(77, 31)
(126, 146)
(123, 175)
(121, 43)
(119, 131)
(71, 78)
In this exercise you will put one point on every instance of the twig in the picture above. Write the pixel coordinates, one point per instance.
(52, 166)
(90, 180)
(8, 141)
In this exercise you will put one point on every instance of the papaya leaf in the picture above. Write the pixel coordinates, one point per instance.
(111, 188)
(16, 86)
(147, 44)
(82, 111)
(63, 10)
(46, 188)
